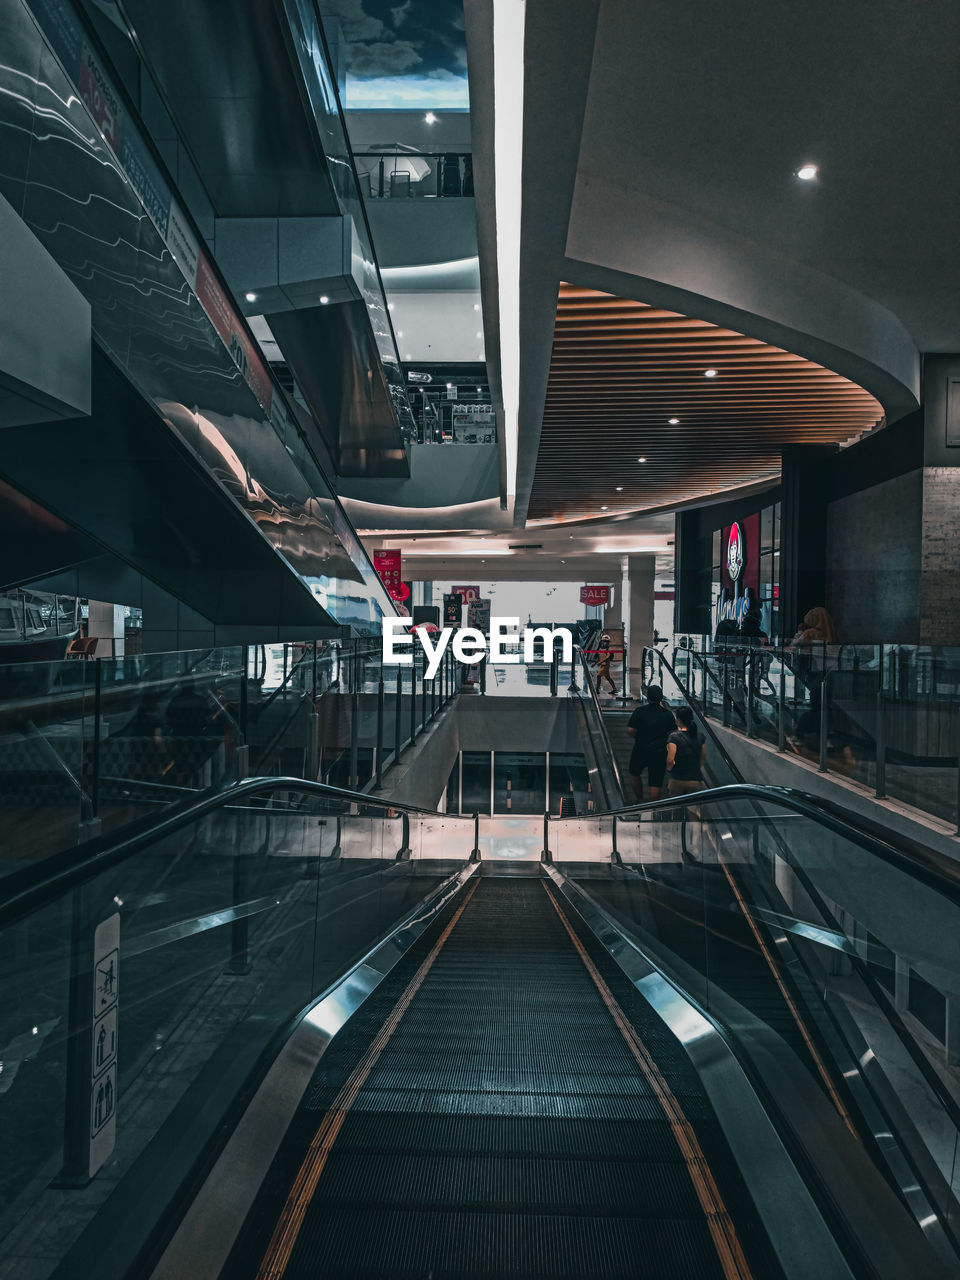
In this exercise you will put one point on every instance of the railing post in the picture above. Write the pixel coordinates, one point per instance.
(315, 671)
(615, 852)
(413, 701)
(423, 696)
(725, 687)
(404, 851)
(397, 727)
(475, 851)
(824, 724)
(573, 687)
(355, 738)
(782, 707)
(483, 675)
(545, 854)
(554, 673)
(380, 707)
(97, 707)
(244, 710)
(881, 741)
(752, 659)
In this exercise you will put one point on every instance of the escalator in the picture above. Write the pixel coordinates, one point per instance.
(505, 1105)
(352, 1048)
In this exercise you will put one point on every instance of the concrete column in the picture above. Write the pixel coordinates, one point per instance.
(940, 518)
(638, 611)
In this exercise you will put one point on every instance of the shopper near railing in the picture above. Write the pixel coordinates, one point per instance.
(686, 756)
(650, 726)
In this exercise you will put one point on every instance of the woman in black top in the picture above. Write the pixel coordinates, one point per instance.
(686, 752)
(649, 726)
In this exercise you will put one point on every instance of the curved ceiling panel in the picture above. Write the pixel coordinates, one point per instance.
(621, 370)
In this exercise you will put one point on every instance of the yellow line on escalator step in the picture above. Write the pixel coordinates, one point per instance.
(278, 1253)
(723, 1233)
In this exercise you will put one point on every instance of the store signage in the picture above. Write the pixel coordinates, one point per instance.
(468, 594)
(478, 615)
(387, 565)
(736, 552)
(595, 595)
(469, 645)
(452, 610)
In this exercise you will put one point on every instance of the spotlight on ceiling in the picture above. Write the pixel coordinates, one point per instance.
(641, 459)
(619, 488)
(324, 299)
(250, 297)
(807, 172)
(429, 118)
(674, 422)
(603, 508)
(389, 306)
(709, 373)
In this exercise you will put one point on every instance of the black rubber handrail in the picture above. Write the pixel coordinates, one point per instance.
(937, 870)
(33, 888)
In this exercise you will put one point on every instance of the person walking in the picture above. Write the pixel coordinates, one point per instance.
(686, 753)
(603, 660)
(650, 726)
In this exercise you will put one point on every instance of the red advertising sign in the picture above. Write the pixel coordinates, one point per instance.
(469, 594)
(594, 595)
(387, 564)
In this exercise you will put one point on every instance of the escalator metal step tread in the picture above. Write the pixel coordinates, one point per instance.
(523, 1183)
(369, 1242)
(475, 1135)
(506, 1129)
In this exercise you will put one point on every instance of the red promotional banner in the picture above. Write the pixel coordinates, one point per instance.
(470, 594)
(387, 564)
(594, 595)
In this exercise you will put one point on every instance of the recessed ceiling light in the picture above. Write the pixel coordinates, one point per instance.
(250, 297)
(324, 299)
(709, 373)
(641, 459)
(674, 422)
(619, 488)
(429, 118)
(603, 508)
(476, 306)
(399, 333)
(807, 172)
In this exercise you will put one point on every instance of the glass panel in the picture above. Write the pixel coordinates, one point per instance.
(475, 787)
(519, 782)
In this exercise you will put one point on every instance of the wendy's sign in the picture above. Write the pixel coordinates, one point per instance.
(736, 552)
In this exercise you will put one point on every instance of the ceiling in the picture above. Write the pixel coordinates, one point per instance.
(661, 144)
(620, 370)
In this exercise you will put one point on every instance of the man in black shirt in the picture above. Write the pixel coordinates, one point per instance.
(650, 726)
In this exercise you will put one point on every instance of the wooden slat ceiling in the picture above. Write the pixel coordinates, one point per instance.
(619, 370)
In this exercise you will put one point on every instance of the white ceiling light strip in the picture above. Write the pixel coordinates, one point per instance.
(508, 30)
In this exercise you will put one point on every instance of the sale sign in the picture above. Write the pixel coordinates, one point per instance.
(387, 564)
(469, 594)
(595, 595)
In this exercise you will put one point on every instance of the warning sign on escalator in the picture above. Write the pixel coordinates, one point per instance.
(103, 1043)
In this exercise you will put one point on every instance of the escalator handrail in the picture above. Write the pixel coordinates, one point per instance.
(937, 870)
(33, 888)
(600, 722)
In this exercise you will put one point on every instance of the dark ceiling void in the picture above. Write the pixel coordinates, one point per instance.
(620, 370)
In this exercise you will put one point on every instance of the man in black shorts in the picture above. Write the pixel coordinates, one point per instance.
(650, 726)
